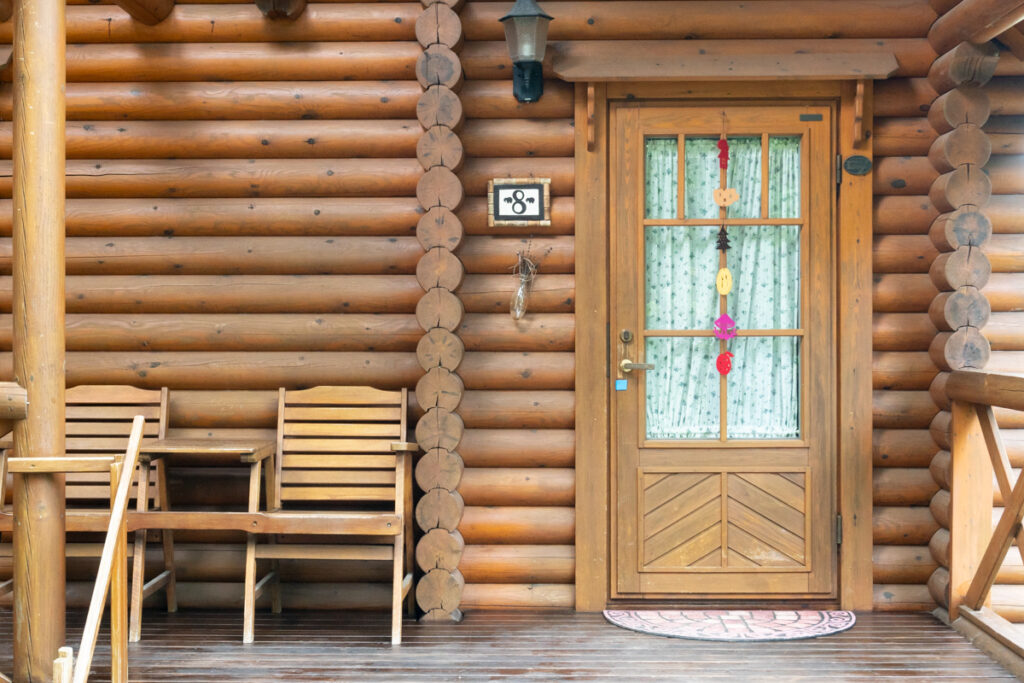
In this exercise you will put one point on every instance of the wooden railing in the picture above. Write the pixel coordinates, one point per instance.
(977, 550)
(113, 568)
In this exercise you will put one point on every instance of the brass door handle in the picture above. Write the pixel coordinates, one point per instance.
(629, 366)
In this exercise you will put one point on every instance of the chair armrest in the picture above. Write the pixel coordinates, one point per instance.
(259, 455)
(98, 463)
(405, 446)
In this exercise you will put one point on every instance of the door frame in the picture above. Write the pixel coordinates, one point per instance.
(853, 276)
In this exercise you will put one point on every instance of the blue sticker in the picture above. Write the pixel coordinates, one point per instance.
(621, 384)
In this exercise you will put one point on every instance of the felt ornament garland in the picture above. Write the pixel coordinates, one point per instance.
(725, 326)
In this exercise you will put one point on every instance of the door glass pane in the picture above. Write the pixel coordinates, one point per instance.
(764, 388)
(681, 264)
(682, 388)
(784, 176)
(765, 265)
(661, 177)
(703, 177)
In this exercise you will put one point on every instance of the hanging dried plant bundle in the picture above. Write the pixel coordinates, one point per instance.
(525, 270)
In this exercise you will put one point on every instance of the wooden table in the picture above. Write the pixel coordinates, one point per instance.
(248, 450)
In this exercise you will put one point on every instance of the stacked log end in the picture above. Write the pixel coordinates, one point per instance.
(961, 270)
(440, 313)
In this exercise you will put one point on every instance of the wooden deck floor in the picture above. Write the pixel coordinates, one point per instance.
(332, 646)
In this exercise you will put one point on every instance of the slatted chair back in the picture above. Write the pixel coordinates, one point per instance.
(335, 446)
(98, 422)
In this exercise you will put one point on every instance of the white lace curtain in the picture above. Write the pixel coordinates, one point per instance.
(763, 389)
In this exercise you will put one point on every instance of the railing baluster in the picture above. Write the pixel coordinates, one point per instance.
(971, 502)
(1000, 461)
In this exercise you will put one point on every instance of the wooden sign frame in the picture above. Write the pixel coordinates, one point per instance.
(540, 189)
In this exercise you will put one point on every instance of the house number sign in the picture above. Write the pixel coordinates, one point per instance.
(519, 201)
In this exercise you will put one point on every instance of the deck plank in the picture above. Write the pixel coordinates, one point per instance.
(206, 647)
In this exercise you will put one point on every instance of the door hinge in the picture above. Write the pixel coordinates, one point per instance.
(839, 529)
(839, 169)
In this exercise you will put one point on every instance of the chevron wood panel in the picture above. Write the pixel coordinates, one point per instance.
(767, 519)
(682, 520)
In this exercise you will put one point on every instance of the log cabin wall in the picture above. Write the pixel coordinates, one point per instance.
(242, 215)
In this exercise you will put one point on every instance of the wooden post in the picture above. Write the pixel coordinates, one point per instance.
(38, 303)
(971, 507)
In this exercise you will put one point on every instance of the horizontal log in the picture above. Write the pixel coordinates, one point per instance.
(518, 448)
(251, 178)
(937, 390)
(1005, 95)
(703, 20)
(260, 100)
(483, 99)
(227, 23)
(890, 597)
(965, 64)
(1005, 291)
(903, 293)
(965, 185)
(518, 137)
(292, 294)
(966, 104)
(518, 564)
(902, 486)
(902, 254)
(909, 215)
(518, 409)
(940, 470)
(489, 60)
(1005, 331)
(1007, 174)
(940, 508)
(902, 564)
(965, 227)
(987, 389)
(1006, 125)
(473, 215)
(905, 97)
(938, 547)
(965, 144)
(902, 447)
(966, 348)
(347, 138)
(902, 371)
(902, 409)
(223, 216)
(493, 332)
(903, 526)
(1006, 143)
(903, 175)
(477, 172)
(438, 23)
(317, 61)
(977, 21)
(902, 332)
(938, 586)
(482, 254)
(518, 525)
(518, 486)
(965, 307)
(530, 596)
(902, 136)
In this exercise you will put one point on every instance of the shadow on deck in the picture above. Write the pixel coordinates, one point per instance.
(195, 646)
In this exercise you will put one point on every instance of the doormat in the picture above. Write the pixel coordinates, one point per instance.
(734, 625)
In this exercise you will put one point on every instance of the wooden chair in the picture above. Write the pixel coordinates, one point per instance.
(98, 422)
(341, 456)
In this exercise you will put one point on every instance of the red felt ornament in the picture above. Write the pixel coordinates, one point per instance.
(723, 153)
(724, 362)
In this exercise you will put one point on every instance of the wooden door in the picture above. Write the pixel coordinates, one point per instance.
(723, 484)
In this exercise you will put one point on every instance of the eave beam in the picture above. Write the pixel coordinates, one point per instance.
(975, 21)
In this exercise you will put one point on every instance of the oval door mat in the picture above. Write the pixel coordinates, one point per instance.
(733, 625)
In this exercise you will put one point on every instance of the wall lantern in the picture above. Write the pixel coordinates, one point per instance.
(526, 32)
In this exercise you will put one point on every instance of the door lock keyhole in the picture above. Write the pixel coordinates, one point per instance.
(626, 336)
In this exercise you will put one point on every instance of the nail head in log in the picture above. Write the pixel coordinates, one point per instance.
(440, 590)
(438, 65)
(440, 106)
(439, 146)
(439, 308)
(438, 24)
(439, 227)
(439, 388)
(439, 187)
(439, 469)
(966, 104)
(440, 509)
(966, 185)
(966, 226)
(967, 348)
(965, 144)
(281, 9)
(440, 549)
(965, 307)
(439, 428)
(967, 266)
(439, 268)
(440, 348)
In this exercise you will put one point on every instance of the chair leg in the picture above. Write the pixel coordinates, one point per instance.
(167, 539)
(139, 558)
(275, 588)
(249, 623)
(396, 591)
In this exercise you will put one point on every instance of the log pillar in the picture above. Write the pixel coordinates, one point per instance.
(962, 269)
(440, 312)
(38, 343)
